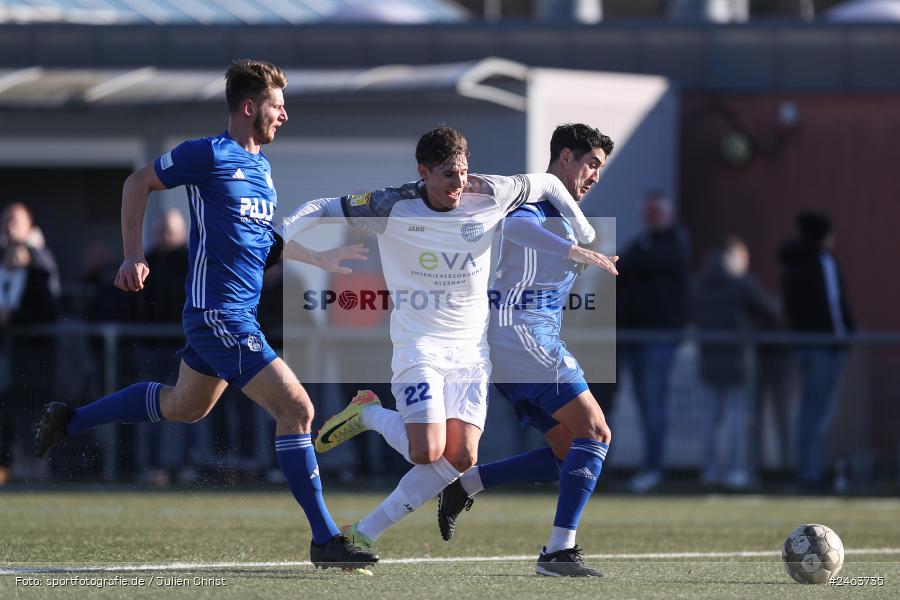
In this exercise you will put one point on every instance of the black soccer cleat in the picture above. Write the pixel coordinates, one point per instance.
(564, 563)
(51, 429)
(341, 553)
(452, 500)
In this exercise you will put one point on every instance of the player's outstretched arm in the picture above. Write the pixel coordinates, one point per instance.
(524, 228)
(590, 257)
(327, 260)
(546, 186)
(137, 188)
(307, 216)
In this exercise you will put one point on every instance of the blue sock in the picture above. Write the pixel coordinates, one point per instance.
(536, 466)
(135, 404)
(298, 463)
(579, 477)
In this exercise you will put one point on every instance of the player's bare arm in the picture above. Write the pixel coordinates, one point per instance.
(590, 257)
(327, 260)
(135, 192)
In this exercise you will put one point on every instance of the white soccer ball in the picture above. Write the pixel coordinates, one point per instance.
(812, 554)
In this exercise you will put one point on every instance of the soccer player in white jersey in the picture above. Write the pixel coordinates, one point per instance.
(533, 369)
(434, 236)
(232, 200)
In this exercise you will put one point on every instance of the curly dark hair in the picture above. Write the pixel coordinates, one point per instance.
(580, 139)
(439, 144)
(246, 78)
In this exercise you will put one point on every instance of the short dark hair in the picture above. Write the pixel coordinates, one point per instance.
(580, 139)
(247, 78)
(439, 144)
(813, 226)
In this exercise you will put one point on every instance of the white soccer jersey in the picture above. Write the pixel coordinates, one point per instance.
(436, 263)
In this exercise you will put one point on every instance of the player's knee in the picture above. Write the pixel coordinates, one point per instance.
(463, 463)
(462, 460)
(182, 408)
(425, 454)
(600, 432)
(189, 414)
(295, 412)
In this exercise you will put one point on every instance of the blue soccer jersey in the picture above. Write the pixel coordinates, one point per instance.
(232, 201)
(532, 367)
(532, 286)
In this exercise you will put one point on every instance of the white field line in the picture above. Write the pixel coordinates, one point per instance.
(197, 566)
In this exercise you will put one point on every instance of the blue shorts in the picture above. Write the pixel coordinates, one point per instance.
(225, 343)
(535, 371)
(535, 403)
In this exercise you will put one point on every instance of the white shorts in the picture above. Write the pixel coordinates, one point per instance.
(432, 384)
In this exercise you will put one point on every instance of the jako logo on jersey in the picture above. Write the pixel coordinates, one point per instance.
(255, 208)
(471, 231)
(416, 228)
(429, 260)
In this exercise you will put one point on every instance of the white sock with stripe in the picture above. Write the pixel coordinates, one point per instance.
(418, 486)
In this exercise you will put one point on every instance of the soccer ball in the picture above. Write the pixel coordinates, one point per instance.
(812, 554)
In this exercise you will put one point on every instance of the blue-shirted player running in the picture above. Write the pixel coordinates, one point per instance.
(532, 367)
(232, 201)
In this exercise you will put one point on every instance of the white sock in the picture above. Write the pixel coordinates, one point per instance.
(418, 486)
(561, 539)
(391, 427)
(471, 481)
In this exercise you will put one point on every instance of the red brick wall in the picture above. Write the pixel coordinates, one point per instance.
(843, 158)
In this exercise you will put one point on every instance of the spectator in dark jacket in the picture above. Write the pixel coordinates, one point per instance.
(162, 302)
(728, 299)
(17, 227)
(653, 294)
(163, 297)
(25, 362)
(815, 301)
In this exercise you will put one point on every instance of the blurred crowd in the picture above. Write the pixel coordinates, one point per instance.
(655, 291)
(234, 442)
(723, 301)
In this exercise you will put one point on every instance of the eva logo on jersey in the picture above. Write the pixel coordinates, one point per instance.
(429, 260)
(257, 208)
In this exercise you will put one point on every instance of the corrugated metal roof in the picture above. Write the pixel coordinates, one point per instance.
(207, 12)
(493, 80)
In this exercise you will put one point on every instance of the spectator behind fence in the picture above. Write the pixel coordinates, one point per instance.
(161, 303)
(815, 301)
(101, 300)
(653, 294)
(728, 299)
(18, 228)
(26, 363)
(163, 297)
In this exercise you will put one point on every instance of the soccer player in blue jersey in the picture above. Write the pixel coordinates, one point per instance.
(434, 237)
(232, 201)
(532, 367)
